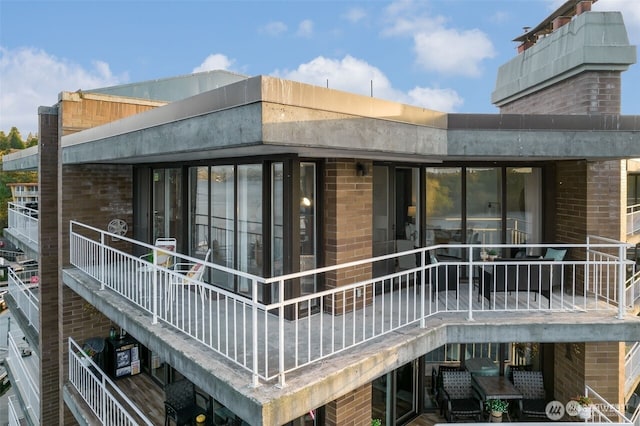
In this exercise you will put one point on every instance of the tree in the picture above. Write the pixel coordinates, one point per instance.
(4, 142)
(15, 140)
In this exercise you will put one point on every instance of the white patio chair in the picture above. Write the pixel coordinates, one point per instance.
(189, 273)
(166, 252)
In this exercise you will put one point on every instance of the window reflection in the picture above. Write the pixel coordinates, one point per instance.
(222, 206)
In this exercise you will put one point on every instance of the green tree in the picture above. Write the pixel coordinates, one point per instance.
(15, 140)
(4, 142)
(31, 140)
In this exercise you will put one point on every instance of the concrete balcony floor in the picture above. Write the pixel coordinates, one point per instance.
(218, 375)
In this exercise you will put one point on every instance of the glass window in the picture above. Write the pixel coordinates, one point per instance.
(249, 222)
(308, 226)
(484, 205)
(277, 218)
(444, 205)
(198, 211)
(167, 203)
(524, 212)
(222, 204)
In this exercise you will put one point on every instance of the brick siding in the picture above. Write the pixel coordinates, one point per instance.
(348, 225)
(352, 409)
(593, 92)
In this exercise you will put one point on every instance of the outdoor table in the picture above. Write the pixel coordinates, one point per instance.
(481, 367)
(496, 387)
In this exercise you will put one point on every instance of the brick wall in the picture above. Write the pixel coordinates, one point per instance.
(569, 371)
(348, 224)
(94, 195)
(607, 381)
(81, 111)
(594, 92)
(49, 341)
(597, 364)
(590, 197)
(352, 409)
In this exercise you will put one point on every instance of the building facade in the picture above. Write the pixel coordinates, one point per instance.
(309, 222)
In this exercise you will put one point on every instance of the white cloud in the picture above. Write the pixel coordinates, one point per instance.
(305, 28)
(437, 47)
(355, 15)
(216, 61)
(32, 78)
(446, 100)
(449, 51)
(274, 28)
(357, 76)
(630, 12)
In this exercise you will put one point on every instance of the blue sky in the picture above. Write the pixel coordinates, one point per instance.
(440, 54)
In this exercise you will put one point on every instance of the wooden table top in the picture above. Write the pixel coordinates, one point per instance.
(496, 387)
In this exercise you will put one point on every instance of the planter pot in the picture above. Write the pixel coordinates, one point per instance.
(585, 412)
(495, 417)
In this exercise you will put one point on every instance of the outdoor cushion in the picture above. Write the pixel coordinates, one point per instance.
(555, 254)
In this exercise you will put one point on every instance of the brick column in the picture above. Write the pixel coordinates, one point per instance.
(352, 409)
(48, 263)
(348, 219)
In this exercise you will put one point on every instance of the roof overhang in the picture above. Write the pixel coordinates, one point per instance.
(270, 116)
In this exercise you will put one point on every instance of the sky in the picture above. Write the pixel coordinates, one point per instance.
(437, 54)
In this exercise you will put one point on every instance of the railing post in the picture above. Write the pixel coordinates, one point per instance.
(621, 280)
(102, 262)
(254, 330)
(470, 275)
(281, 334)
(423, 301)
(154, 287)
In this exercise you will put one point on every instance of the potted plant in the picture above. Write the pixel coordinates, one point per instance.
(492, 253)
(585, 406)
(496, 407)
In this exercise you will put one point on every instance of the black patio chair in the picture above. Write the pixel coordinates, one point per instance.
(436, 383)
(460, 398)
(531, 385)
(181, 403)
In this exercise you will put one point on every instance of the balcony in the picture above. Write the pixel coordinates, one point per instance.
(104, 399)
(270, 341)
(23, 368)
(633, 219)
(24, 289)
(23, 223)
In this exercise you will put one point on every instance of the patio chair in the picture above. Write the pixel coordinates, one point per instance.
(166, 256)
(531, 385)
(443, 277)
(181, 404)
(189, 273)
(436, 383)
(459, 396)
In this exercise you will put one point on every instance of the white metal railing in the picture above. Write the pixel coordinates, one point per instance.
(110, 405)
(27, 385)
(633, 219)
(633, 289)
(23, 221)
(312, 327)
(602, 411)
(26, 299)
(631, 367)
(14, 416)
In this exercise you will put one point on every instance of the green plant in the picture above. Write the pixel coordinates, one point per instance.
(496, 405)
(376, 422)
(585, 401)
(492, 252)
